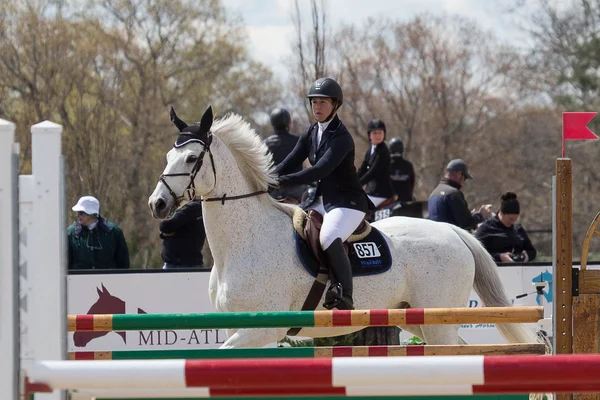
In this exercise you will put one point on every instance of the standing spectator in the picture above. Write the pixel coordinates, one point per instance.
(402, 173)
(505, 240)
(183, 237)
(280, 144)
(447, 202)
(94, 242)
(374, 171)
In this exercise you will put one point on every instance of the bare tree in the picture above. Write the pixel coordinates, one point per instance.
(564, 62)
(436, 82)
(108, 72)
(310, 57)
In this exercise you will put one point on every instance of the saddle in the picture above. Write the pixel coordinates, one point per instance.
(366, 248)
(308, 225)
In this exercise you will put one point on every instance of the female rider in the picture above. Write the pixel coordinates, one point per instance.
(339, 196)
(374, 171)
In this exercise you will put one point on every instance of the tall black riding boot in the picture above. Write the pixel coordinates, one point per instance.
(339, 294)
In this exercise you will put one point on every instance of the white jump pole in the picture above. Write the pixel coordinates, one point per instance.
(9, 275)
(581, 370)
(205, 392)
(42, 253)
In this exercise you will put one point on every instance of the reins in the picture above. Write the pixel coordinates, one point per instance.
(224, 198)
(190, 191)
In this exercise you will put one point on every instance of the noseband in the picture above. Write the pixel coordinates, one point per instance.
(190, 190)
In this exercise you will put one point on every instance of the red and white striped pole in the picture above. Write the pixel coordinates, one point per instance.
(387, 391)
(320, 373)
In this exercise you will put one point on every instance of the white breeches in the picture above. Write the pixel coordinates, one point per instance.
(337, 223)
(377, 200)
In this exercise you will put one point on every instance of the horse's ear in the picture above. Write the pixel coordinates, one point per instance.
(175, 119)
(206, 121)
(105, 290)
(99, 292)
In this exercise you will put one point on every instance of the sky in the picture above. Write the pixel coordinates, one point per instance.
(271, 30)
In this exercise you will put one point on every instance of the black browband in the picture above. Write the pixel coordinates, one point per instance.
(190, 190)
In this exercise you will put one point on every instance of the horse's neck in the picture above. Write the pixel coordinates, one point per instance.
(230, 226)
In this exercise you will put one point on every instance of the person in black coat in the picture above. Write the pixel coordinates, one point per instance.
(374, 171)
(447, 202)
(402, 172)
(183, 237)
(280, 144)
(502, 237)
(339, 196)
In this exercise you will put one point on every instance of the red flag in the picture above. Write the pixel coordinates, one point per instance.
(574, 126)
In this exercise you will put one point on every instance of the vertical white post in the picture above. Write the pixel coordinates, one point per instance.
(9, 328)
(26, 247)
(47, 271)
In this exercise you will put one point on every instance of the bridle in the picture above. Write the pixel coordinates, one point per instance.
(190, 191)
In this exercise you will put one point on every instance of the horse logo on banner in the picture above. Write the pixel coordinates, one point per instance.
(106, 304)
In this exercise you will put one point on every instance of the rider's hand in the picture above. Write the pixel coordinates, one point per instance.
(505, 257)
(526, 256)
(282, 180)
(275, 186)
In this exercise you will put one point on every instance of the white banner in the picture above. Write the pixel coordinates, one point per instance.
(187, 292)
(517, 281)
(150, 293)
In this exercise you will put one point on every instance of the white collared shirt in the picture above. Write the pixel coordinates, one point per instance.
(92, 225)
(322, 127)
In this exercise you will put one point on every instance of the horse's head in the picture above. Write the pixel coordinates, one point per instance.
(106, 304)
(184, 178)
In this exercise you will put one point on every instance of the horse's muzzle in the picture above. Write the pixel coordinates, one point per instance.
(160, 207)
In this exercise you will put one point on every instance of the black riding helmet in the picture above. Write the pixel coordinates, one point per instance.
(376, 124)
(280, 118)
(327, 87)
(396, 146)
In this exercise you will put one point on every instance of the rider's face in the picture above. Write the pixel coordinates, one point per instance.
(321, 108)
(377, 136)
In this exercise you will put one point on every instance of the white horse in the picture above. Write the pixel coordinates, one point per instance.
(256, 267)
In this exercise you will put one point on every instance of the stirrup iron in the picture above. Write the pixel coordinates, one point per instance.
(334, 298)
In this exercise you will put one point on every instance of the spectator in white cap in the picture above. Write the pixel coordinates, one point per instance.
(94, 242)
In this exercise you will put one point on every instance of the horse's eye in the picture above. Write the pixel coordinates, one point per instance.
(192, 158)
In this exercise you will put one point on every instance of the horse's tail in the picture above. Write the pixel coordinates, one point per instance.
(490, 289)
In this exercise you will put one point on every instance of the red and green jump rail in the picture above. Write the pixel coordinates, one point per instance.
(300, 319)
(315, 352)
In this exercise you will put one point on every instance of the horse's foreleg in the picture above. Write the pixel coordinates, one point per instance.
(254, 338)
(213, 286)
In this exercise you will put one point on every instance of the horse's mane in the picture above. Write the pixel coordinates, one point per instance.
(249, 151)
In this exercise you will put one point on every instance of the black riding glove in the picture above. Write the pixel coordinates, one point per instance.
(282, 180)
